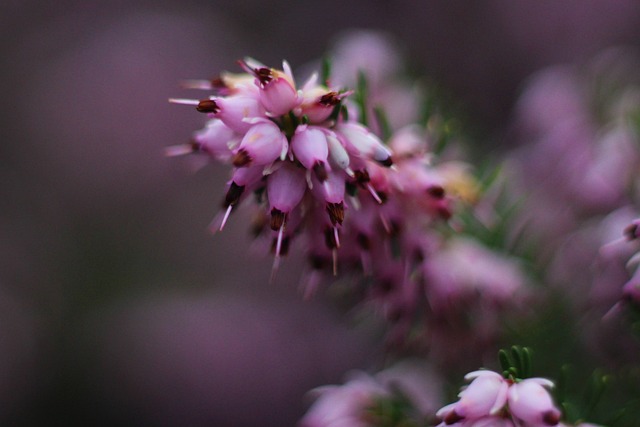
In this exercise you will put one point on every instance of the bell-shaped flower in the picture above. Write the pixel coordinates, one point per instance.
(234, 111)
(486, 395)
(530, 401)
(410, 141)
(277, 89)
(345, 405)
(318, 102)
(333, 190)
(285, 189)
(309, 145)
(216, 139)
(359, 141)
(243, 179)
(261, 145)
(337, 153)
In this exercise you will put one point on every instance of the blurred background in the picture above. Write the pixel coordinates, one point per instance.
(117, 305)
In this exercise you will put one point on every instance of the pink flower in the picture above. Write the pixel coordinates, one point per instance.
(492, 400)
(319, 103)
(277, 89)
(353, 404)
(361, 142)
(263, 144)
(285, 189)
(310, 147)
(530, 402)
(486, 395)
(344, 405)
(233, 111)
(464, 267)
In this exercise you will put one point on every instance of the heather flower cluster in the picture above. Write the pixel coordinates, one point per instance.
(378, 207)
(351, 170)
(492, 400)
(300, 151)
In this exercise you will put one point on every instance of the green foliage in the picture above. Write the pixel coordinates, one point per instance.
(361, 97)
(516, 363)
(393, 411)
(325, 75)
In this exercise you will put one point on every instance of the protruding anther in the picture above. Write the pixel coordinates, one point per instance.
(241, 158)
(436, 191)
(278, 219)
(233, 194)
(329, 99)
(452, 418)
(551, 418)
(336, 212)
(264, 75)
(387, 162)
(320, 171)
(207, 106)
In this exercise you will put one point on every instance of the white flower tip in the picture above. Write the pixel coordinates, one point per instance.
(254, 120)
(480, 373)
(253, 63)
(542, 381)
(287, 69)
(311, 82)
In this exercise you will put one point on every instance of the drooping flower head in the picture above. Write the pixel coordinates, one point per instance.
(375, 204)
(320, 176)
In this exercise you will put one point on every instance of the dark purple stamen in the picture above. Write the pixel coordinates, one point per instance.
(336, 212)
(241, 158)
(436, 191)
(264, 75)
(233, 195)
(330, 239)
(208, 106)
(329, 99)
(278, 219)
(386, 162)
(320, 171)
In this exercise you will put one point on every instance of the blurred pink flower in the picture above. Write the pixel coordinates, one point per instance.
(354, 403)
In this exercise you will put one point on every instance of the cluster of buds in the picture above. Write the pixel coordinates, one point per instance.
(492, 400)
(313, 168)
